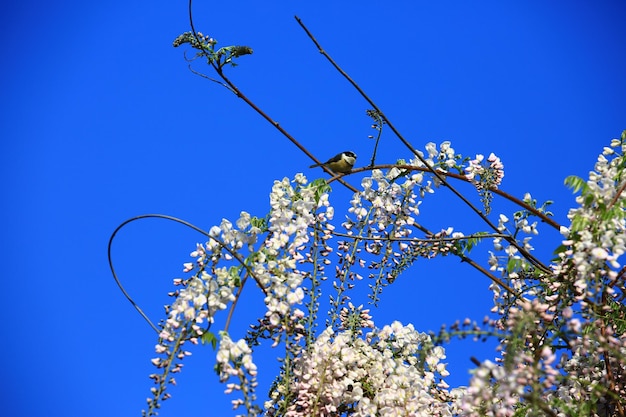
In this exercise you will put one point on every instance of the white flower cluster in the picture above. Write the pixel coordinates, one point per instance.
(389, 201)
(497, 388)
(444, 158)
(386, 211)
(490, 172)
(212, 288)
(235, 360)
(395, 371)
(293, 211)
(221, 263)
(565, 353)
(599, 241)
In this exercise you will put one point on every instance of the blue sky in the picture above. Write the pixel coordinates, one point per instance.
(102, 121)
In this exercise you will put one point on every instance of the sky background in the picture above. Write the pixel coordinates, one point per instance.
(101, 120)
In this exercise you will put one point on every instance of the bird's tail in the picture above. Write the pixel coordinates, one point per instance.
(315, 165)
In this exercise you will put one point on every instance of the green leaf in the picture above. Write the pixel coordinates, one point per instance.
(234, 271)
(576, 184)
(260, 223)
(209, 337)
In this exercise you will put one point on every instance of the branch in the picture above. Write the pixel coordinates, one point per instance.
(533, 260)
(501, 193)
(416, 239)
(417, 154)
(232, 87)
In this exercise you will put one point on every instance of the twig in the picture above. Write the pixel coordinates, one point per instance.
(232, 87)
(415, 239)
(618, 193)
(379, 126)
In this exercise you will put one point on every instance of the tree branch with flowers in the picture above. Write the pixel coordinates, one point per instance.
(560, 323)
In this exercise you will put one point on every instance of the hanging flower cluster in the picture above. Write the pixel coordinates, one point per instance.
(486, 176)
(566, 353)
(393, 371)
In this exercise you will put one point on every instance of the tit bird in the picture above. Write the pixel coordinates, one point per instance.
(341, 163)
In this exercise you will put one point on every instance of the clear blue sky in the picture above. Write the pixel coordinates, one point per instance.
(101, 121)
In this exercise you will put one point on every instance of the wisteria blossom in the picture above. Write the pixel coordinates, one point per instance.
(392, 371)
(559, 321)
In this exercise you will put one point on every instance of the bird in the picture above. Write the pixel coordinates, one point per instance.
(341, 163)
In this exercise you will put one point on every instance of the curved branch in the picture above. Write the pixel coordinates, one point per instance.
(234, 254)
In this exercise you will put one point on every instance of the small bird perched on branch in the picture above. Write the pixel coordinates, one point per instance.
(341, 163)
